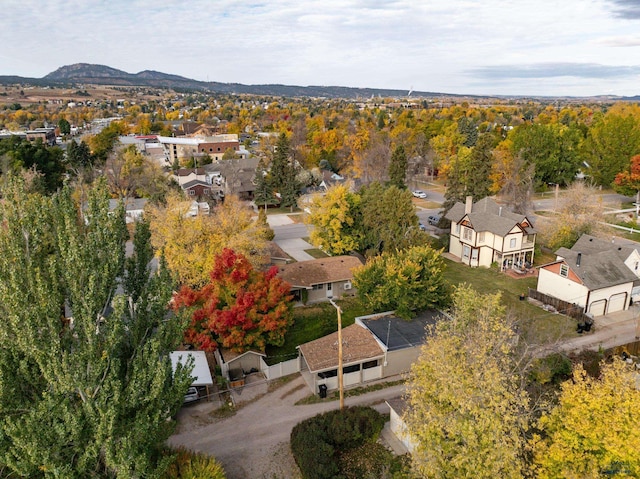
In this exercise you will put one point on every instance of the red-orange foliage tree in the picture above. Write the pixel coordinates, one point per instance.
(628, 182)
(240, 308)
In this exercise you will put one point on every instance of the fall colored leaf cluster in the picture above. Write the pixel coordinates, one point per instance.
(239, 308)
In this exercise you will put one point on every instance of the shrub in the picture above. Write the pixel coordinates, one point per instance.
(553, 368)
(194, 465)
(318, 442)
(367, 461)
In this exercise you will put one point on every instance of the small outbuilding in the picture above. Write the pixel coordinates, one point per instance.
(201, 372)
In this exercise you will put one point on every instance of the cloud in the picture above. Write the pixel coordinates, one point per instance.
(629, 9)
(552, 70)
(626, 41)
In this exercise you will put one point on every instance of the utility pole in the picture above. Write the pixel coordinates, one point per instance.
(340, 373)
(557, 191)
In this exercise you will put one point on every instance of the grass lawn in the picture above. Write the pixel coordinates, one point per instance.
(312, 322)
(316, 253)
(536, 325)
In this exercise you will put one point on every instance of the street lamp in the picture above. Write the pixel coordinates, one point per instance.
(340, 374)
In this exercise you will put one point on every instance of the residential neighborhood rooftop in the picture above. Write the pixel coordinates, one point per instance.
(319, 271)
(396, 333)
(357, 345)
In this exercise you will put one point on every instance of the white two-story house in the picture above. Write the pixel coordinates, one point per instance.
(484, 233)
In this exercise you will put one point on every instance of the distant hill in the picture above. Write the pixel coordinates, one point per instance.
(105, 75)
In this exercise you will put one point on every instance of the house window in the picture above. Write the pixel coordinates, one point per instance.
(564, 271)
(457, 229)
(467, 234)
(370, 364)
(530, 238)
(512, 243)
(466, 251)
(328, 374)
(481, 237)
(329, 286)
(317, 287)
(635, 267)
(192, 193)
(351, 369)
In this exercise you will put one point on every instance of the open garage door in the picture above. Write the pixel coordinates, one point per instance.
(617, 302)
(597, 308)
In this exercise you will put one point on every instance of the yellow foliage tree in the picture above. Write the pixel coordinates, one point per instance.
(335, 220)
(467, 412)
(190, 244)
(593, 432)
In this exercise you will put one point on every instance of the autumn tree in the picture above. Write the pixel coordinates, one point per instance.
(190, 244)
(593, 431)
(628, 182)
(87, 387)
(611, 141)
(398, 168)
(467, 413)
(239, 308)
(406, 281)
(580, 211)
(513, 178)
(336, 220)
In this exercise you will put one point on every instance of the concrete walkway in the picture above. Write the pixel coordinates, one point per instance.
(295, 247)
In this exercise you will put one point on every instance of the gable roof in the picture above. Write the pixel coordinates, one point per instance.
(358, 344)
(189, 171)
(597, 270)
(194, 183)
(588, 244)
(319, 271)
(487, 215)
(395, 333)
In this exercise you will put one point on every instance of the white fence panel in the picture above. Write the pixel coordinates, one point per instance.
(281, 369)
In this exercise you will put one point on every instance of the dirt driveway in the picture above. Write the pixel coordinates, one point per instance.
(254, 443)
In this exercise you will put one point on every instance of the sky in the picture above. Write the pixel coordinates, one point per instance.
(484, 47)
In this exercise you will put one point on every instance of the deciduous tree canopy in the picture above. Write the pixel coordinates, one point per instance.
(240, 308)
(467, 413)
(593, 432)
(89, 394)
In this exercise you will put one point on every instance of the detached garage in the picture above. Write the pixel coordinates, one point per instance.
(599, 282)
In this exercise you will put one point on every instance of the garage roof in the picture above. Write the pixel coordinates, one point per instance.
(201, 372)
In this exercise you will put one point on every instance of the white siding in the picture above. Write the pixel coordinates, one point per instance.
(561, 288)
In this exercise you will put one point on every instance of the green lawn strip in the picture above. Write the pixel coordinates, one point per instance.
(283, 211)
(312, 322)
(536, 324)
(316, 253)
(357, 391)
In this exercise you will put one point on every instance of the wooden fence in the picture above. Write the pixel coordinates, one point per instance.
(568, 309)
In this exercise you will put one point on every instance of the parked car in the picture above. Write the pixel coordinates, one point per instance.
(191, 396)
(419, 194)
(422, 227)
(433, 220)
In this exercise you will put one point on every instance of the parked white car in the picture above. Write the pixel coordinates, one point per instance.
(191, 396)
(419, 194)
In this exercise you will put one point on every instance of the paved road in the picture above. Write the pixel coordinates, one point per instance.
(254, 442)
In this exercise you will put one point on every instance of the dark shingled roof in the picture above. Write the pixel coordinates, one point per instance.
(397, 333)
(597, 270)
(487, 215)
(588, 244)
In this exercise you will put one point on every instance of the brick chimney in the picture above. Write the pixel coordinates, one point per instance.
(468, 205)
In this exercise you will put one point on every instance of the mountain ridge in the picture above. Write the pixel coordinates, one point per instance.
(106, 75)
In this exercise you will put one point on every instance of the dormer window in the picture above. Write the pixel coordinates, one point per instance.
(564, 271)
(467, 234)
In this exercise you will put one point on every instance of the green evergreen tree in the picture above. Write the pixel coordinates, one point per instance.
(398, 168)
(89, 393)
(478, 174)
